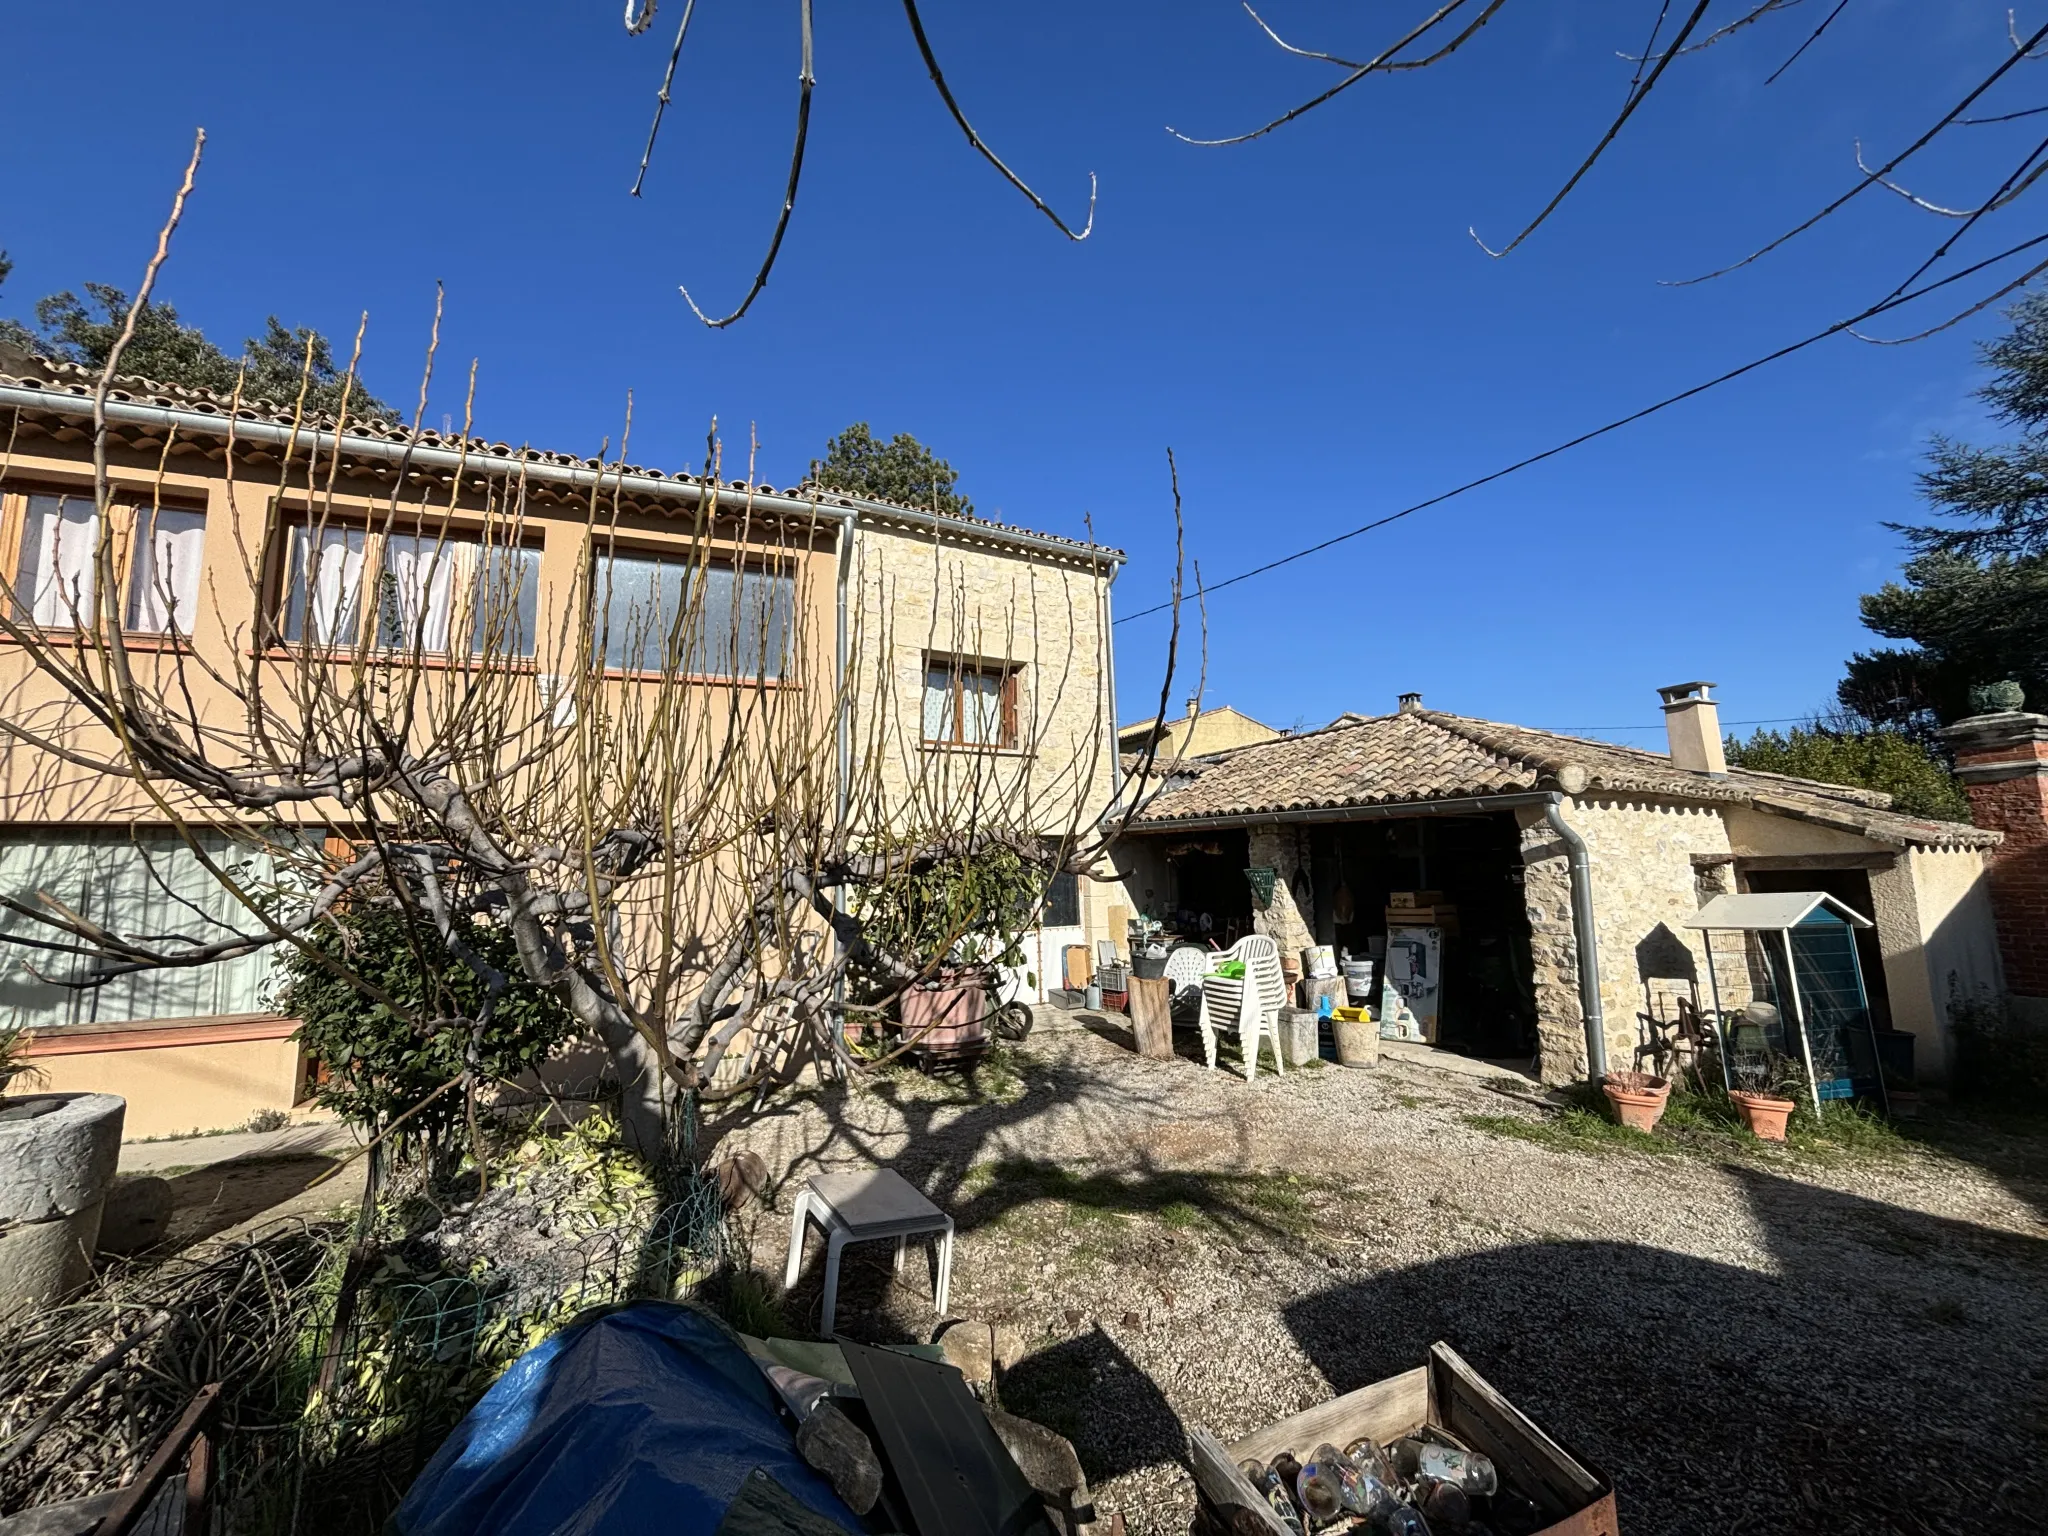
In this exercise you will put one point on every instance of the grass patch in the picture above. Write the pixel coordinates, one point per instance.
(747, 1300)
(1573, 1130)
(1276, 1201)
(1706, 1125)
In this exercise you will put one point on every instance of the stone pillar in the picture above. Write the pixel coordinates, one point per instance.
(1289, 920)
(1553, 953)
(2002, 761)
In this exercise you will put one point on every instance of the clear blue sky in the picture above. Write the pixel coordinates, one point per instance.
(1303, 320)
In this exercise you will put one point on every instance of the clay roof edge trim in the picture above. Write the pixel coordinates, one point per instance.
(842, 509)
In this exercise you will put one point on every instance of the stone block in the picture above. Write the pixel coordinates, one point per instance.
(978, 1350)
(58, 1152)
(45, 1262)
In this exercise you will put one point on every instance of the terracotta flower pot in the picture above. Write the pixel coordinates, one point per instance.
(1764, 1114)
(1638, 1098)
(945, 1015)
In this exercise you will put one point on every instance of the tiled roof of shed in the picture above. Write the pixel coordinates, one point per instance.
(1424, 755)
(70, 383)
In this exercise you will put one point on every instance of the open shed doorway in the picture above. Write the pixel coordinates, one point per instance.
(1212, 900)
(1488, 1002)
(1851, 887)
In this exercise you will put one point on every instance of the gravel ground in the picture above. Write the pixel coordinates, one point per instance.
(1770, 1343)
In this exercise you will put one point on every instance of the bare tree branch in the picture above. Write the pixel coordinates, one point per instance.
(931, 63)
(805, 81)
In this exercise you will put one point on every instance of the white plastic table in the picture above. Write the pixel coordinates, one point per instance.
(859, 1208)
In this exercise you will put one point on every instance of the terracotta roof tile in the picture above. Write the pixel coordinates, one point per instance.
(73, 383)
(1423, 755)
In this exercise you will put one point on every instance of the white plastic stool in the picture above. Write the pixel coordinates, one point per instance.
(860, 1208)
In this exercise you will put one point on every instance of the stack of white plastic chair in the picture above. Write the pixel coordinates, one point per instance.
(1256, 1001)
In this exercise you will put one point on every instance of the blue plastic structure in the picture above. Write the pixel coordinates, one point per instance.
(647, 1418)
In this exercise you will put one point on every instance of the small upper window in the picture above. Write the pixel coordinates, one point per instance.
(53, 576)
(434, 594)
(740, 621)
(970, 704)
(163, 588)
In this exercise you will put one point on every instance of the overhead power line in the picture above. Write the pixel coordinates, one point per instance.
(1617, 424)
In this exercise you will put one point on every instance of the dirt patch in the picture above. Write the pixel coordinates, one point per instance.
(1798, 1345)
(218, 1198)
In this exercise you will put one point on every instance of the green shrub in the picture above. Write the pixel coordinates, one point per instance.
(380, 1063)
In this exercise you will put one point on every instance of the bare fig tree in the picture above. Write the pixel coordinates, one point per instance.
(676, 784)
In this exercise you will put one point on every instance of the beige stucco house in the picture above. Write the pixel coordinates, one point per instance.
(1495, 817)
(1198, 733)
(984, 648)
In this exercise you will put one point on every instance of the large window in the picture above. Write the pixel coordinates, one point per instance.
(163, 589)
(54, 583)
(405, 591)
(970, 704)
(53, 578)
(138, 883)
(689, 619)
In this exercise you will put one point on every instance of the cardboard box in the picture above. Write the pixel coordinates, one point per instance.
(1415, 898)
(1444, 1394)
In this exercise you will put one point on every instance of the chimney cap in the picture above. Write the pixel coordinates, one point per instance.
(1686, 693)
(1410, 703)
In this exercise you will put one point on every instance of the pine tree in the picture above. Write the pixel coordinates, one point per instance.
(1973, 600)
(901, 470)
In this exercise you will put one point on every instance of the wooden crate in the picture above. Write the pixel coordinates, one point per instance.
(1445, 1393)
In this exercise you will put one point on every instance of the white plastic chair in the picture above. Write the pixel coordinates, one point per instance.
(1256, 1000)
(1186, 965)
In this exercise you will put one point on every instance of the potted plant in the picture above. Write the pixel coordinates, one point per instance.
(1638, 1098)
(1765, 1083)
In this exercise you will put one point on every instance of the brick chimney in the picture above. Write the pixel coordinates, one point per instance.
(1194, 708)
(2002, 761)
(1692, 720)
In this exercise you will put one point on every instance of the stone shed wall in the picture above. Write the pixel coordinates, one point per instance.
(1645, 884)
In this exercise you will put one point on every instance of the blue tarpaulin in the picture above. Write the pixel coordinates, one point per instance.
(643, 1419)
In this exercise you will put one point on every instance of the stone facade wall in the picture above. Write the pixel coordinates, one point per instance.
(1645, 884)
(915, 595)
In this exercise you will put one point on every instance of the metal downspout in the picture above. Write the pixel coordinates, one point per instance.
(1108, 622)
(842, 725)
(1585, 941)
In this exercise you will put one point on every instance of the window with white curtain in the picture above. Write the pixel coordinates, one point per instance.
(163, 586)
(53, 575)
(137, 882)
(970, 704)
(435, 594)
(742, 620)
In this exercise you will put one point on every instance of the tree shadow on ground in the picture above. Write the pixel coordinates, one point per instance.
(1881, 1381)
(968, 1143)
(1087, 1389)
(210, 1200)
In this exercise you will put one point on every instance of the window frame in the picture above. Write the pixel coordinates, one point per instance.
(126, 509)
(959, 669)
(367, 622)
(760, 564)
